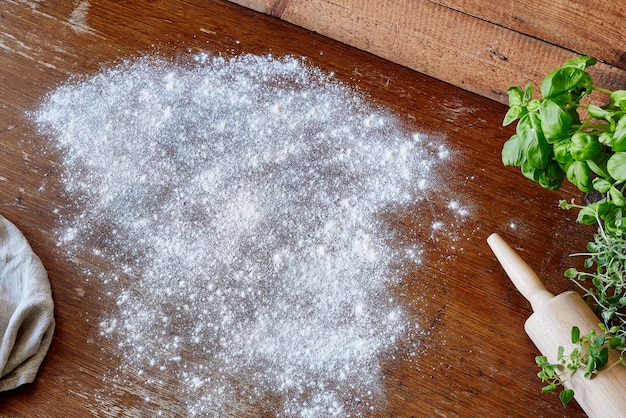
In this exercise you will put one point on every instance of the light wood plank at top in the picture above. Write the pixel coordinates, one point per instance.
(476, 54)
(589, 28)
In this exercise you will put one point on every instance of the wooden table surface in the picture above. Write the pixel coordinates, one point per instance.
(472, 359)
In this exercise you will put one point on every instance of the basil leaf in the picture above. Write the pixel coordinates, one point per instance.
(611, 215)
(515, 112)
(606, 138)
(531, 173)
(555, 122)
(616, 166)
(565, 80)
(528, 92)
(533, 142)
(604, 209)
(601, 185)
(619, 135)
(516, 95)
(574, 115)
(582, 62)
(584, 146)
(561, 151)
(579, 174)
(598, 165)
(598, 112)
(512, 152)
(533, 105)
(619, 98)
(586, 216)
(616, 197)
(552, 177)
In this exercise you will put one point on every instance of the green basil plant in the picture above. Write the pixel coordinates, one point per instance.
(557, 138)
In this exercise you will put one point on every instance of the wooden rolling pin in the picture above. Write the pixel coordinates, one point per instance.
(550, 326)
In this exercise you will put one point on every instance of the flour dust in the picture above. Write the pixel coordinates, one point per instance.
(239, 204)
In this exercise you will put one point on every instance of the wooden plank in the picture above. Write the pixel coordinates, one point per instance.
(435, 39)
(588, 28)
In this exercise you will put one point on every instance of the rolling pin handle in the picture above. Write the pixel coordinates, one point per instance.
(520, 273)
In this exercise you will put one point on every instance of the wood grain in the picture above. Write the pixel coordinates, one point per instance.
(483, 47)
(586, 28)
(471, 357)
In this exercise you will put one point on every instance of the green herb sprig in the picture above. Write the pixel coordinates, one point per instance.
(590, 354)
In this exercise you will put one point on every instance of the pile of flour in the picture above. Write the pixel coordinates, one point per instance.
(242, 202)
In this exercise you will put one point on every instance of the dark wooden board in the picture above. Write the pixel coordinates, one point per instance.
(472, 360)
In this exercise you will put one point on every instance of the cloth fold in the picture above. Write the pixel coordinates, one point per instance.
(26, 309)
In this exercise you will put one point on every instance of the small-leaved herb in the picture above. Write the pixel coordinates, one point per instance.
(605, 261)
(590, 354)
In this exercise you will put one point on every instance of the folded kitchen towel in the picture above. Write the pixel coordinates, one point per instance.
(26, 309)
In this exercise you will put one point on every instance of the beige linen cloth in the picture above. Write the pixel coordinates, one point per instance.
(26, 309)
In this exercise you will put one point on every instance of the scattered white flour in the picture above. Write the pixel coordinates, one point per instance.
(457, 208)
(78, 18)
(241, 202)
